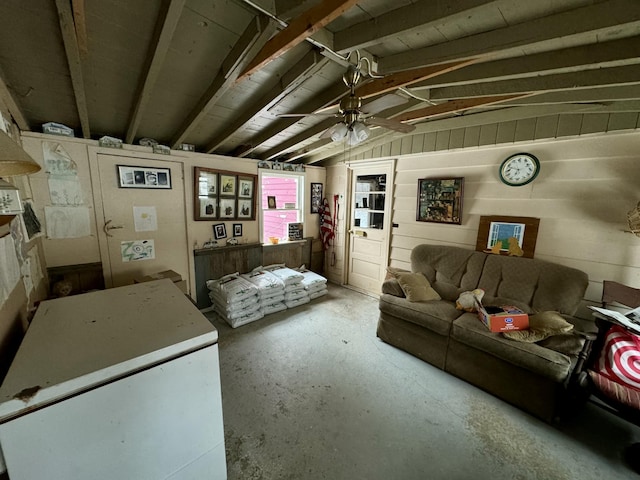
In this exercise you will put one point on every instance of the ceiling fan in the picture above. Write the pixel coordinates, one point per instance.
(355, 118)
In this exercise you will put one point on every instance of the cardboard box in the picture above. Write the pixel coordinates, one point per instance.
(175, 277)
(505, 318)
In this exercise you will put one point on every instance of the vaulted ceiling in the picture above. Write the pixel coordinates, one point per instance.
(220, 74)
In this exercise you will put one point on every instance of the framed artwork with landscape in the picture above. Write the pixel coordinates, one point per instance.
(507, 235)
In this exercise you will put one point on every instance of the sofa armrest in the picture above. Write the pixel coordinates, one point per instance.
(392, 287)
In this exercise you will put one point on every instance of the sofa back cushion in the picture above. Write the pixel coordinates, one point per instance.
(542, 285)
(450, 270)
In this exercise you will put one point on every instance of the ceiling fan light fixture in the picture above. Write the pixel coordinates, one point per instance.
(338, 131)
(358, 132)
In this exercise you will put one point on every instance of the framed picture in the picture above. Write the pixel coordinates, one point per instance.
(205, 188)
(219, 231)
(245, 187)
(440, 200)
(227, 185)
(271, 201)
(295, 231)
(223, 195)
(208, 208)
(245, 209)
(502, 235)
(143, 177)
(237, 229)
(227, 208)
(316, 197)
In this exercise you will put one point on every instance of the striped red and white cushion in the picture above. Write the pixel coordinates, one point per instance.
(620, 357)
(620, 393)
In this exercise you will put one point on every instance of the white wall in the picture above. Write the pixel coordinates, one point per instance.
(84, 152)
(584, 190)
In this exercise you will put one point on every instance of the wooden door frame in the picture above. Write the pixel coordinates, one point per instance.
(99, 214)
(389, 194)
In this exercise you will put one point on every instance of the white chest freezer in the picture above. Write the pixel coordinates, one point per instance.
(120, 383)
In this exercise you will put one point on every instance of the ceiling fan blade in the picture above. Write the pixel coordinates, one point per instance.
(390, 124)
(382, 103)
(284, 115)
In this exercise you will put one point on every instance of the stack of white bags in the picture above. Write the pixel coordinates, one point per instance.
(270, 290)
(314, 284)
(294, 291)
(241, 299)
(235, 299)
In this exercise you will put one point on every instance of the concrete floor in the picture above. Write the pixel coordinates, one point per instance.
(312, 393)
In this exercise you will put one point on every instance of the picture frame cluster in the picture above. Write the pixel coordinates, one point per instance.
(223, 195)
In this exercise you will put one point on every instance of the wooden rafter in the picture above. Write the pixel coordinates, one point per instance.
(256, 33)
(165, 28)
(7, 98)
(65, 17)
(402, 79)
(291, 79)
(603, 17)
(79, 20)
(401, 21)
(297, 31)
(453, 106)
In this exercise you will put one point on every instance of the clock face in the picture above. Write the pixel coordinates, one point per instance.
(519, 169)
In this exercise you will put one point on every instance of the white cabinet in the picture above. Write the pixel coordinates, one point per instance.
(121, 383)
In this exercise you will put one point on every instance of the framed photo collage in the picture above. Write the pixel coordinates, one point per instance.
(221, 195)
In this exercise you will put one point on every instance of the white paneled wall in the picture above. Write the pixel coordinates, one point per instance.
(585, 188)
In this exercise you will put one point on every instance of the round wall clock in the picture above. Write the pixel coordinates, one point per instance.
(519, 169)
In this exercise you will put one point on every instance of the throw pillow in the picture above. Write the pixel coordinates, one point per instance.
(416, 287)
(541, 325)
(392, 272)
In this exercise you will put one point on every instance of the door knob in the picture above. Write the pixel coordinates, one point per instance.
(107, 227)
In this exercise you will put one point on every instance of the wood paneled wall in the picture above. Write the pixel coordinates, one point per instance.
(584, 190)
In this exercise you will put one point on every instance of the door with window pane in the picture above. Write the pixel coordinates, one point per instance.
(371, 194)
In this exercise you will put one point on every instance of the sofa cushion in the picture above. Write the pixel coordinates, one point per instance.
(416, 287)
(450, 270)
(468, 329)
(542, 285)
(435, 315)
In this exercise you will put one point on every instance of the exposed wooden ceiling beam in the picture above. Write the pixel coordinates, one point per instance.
(301, 71)
(564, 81)
(587, 57)
(165, 28)
(393, 81)
(254, 37)
(600, 19)
(67, 27)
(297, 31)
(80, 21)
(402, 21)
(7, 98)
(453, 106)
(587, 95)
(297, 139)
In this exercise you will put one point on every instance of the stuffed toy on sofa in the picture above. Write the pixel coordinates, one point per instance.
(467, 300)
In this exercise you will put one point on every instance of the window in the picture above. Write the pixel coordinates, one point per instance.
(281, 203)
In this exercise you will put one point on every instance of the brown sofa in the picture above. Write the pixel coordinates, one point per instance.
(532, 376)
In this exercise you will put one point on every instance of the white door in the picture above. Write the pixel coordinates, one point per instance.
(370, 225)
(143, 229)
